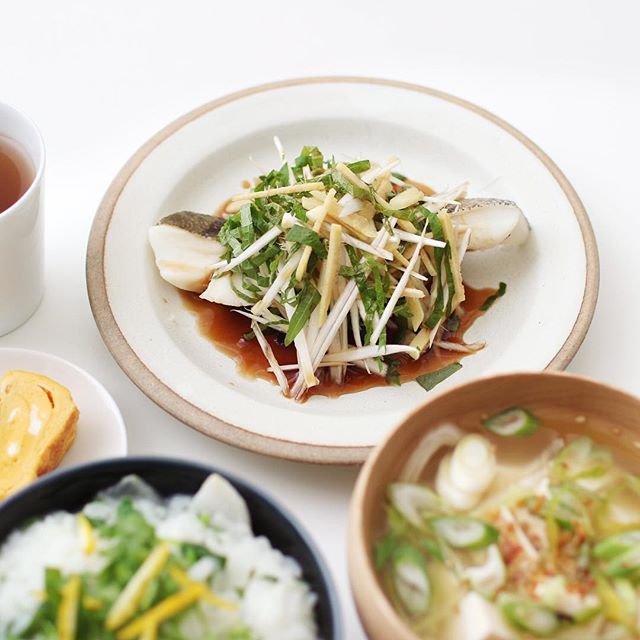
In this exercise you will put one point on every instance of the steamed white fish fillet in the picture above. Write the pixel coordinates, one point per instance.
(493, 222)
(224, 290)
(186, 248)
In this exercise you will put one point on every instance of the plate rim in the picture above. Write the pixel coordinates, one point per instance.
(183, 410)
(103, 391)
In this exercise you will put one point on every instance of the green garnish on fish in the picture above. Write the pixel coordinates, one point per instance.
(347, 258)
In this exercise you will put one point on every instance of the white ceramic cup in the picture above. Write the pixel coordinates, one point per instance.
(22, 230)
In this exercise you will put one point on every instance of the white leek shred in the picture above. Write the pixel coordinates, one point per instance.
(327, 205)
(251, 250)
(395, 296)
(372, 351)
(461, 348)
(281, 281)
(313, 325)
(359, 244)
(449, 197)
(349, 205)
(303, 354)
(296, 367)
(337, 315)
(271, 359)
(416, 239)
(283, 159)
(278, 326)
(336, 371)
(464, 244)
(355, 324)
(370, 175)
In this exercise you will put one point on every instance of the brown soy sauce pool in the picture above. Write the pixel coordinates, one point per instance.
(227, 329)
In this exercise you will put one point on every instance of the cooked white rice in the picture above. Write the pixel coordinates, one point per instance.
(272, 599)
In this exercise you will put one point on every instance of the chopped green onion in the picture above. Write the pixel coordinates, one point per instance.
(624, 564)
(413, 501)
(514, 421)
(384, 550)
(490, 576)
(530, 616)
(410, 580)
(432, 548)
(580, 459)
(617, 544)
(618, 598)
(463, 532)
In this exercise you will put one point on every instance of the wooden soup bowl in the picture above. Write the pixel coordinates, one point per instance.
(569, 404)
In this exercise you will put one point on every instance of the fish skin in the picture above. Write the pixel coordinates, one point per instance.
(470, 204)
(200, 224)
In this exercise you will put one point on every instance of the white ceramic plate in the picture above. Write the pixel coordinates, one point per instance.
(101, 431)
(199, 160)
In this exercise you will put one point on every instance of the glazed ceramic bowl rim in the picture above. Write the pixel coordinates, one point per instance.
(126, 465)
(356, 537)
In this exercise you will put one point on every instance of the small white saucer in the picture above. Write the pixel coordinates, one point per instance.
(101, 429)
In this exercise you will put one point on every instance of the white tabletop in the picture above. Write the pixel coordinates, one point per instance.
(99, 78)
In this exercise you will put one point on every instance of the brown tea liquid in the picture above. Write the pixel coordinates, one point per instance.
(16, 172)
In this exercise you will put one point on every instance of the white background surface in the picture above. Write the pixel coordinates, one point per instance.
(99, 78)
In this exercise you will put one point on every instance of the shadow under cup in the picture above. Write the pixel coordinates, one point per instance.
(22, 229)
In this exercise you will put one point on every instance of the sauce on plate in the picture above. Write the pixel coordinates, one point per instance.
(227, 329)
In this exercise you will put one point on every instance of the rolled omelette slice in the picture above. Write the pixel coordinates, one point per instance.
(38, 420)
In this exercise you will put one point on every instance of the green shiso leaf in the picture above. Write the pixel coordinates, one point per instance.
(345, 186)
(487, 304)
(247, 233)
(303, 235)
(274, 179)
(430, 380)
(284, 175)
(452, 323)
(359, 166)
(310, 157)
(393, 371)
(307, 301)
